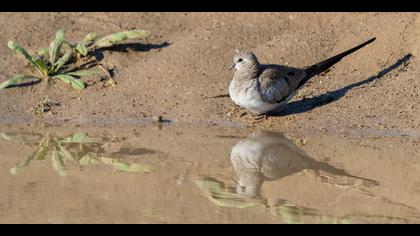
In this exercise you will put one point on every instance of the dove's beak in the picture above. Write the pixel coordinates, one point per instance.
(231, 67)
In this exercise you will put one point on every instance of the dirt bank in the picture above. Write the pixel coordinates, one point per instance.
(186, 61)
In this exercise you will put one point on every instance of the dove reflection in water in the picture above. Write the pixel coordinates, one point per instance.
(266, 156)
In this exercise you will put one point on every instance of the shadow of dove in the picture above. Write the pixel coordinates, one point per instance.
(268, 156)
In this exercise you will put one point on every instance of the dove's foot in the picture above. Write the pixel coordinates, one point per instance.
(260, 116)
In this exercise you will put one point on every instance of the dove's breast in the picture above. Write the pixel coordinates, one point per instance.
(246, 94)
(246, 155)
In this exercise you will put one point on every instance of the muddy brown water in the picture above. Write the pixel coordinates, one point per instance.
(206, 174)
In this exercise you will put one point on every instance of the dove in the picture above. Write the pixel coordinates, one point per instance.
(268, 156)
(267, 88)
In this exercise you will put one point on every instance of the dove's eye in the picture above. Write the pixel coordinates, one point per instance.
(240, 60)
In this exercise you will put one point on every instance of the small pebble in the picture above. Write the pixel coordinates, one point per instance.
(157, 119)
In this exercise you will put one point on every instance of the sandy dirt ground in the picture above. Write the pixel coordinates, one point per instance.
(184, 63)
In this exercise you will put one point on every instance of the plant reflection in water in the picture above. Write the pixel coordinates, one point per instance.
(78, 148)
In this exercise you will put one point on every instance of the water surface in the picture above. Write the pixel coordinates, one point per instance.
(211, 174)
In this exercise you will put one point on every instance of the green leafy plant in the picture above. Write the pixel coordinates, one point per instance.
(53, 62)
(50, 64)
(77, 148)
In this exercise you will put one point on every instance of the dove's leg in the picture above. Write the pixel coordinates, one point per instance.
(260, 116)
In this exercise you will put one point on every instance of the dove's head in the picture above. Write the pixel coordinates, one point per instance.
(245, 61)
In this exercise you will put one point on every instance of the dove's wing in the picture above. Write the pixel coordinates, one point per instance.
(277, 83)
(280, 160)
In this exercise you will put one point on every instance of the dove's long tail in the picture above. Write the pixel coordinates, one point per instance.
(316, 69)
